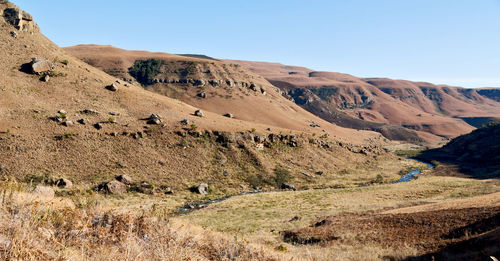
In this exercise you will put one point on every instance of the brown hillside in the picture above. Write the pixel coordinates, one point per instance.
(477, 154)
(40, 135)
(229, 88)
(423, 107)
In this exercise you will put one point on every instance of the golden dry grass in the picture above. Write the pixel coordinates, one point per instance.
(41, 229)
(260, 218)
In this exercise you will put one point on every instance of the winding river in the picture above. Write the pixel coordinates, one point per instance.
(191, 206)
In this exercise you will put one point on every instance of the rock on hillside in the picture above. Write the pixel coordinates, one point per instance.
(208, 84)
(110, 134)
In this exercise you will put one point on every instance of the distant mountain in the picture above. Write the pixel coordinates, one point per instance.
(434, 111)
(216, 86)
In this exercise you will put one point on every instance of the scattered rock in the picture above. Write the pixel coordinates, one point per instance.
(64, 183)
(146, 188)
(82, 121)
(202, 189)
(154, 119)
(112, 87)
(320, 173)
(98, 126)
(229, 115)
(185, 122)
(44, 191)
(114, 113)
(306, 174)
(198, 113)
(13, 34)
(90, 112)
(288, 186)
(62, 112)
(68, 123)
(296, 218)
(202, 95)
(322, 223)
(125, 179)
(45, 78)
(113, 187)
(225, 173)
(38, 66)
(168, 190)
(199, 83)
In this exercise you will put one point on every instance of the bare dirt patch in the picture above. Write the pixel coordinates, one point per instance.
(427, 231)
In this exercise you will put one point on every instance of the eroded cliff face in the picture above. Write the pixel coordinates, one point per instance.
(20, 19)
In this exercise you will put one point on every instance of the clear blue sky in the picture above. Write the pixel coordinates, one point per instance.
(442, 41)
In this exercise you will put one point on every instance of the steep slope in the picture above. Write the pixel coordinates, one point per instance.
(207, 84)
(68, 122)
(477, 153)
(424, 107)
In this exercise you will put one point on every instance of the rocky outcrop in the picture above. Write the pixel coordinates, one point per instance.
(18, 18)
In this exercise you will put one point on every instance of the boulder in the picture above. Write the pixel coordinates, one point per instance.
(90, 112)
(125, 179)
(98, 126)
(288, 186)
(37, 66)
(68, 123)
(45, 78)
(198, 113)
(202, 189)
(113, 187)
(82, 121)
(13, 34)
(112, 87)
(202, 95)
(44, 191)
(229, 115)
(154, 119)
(64, 183)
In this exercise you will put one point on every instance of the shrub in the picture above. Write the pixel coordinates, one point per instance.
(145, 70)
(281, 176)
(65, 62)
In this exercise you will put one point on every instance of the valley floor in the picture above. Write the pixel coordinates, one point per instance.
(417, 220)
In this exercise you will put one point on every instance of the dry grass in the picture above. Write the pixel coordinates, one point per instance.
(261, 217)
(41, 230)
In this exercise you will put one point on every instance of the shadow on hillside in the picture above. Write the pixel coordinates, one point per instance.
(478, 248)
(26, 68)
(447, 164)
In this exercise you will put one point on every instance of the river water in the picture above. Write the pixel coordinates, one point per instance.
(191, 206)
